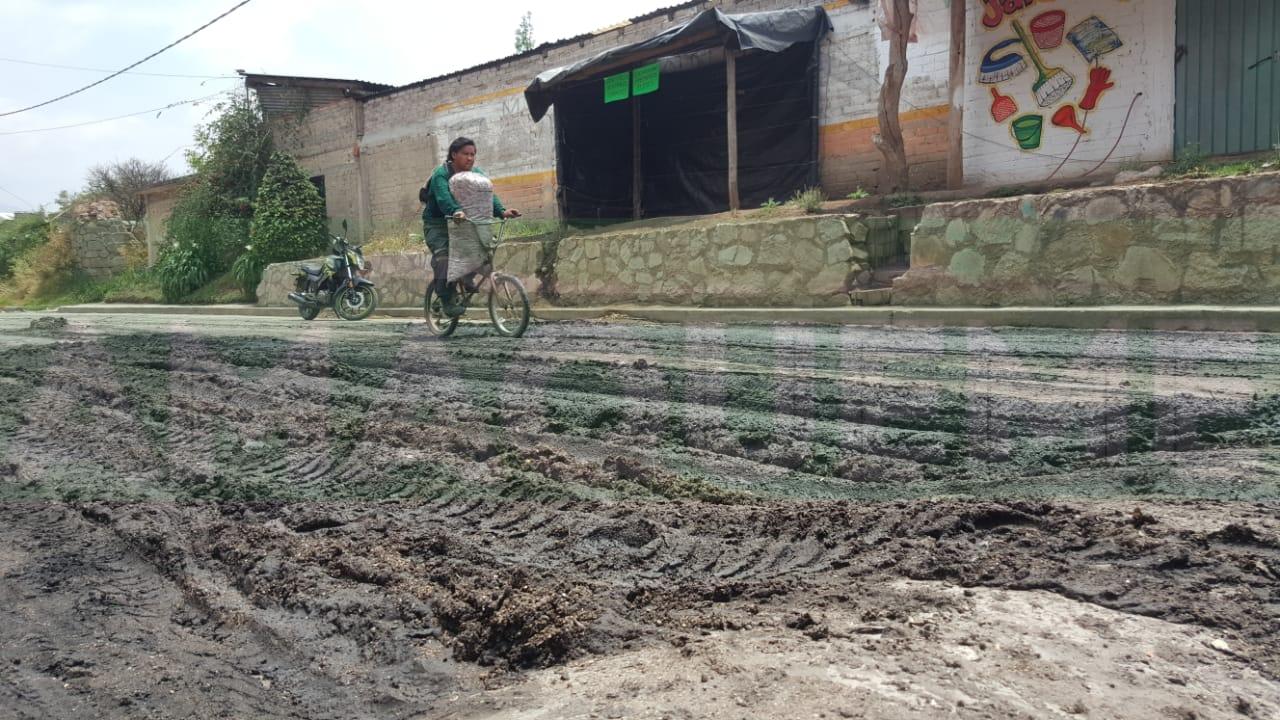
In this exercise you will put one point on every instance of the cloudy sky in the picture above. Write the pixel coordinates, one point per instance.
(388, 41)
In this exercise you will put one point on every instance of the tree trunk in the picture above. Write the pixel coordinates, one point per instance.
(894, 176)
(955, 125)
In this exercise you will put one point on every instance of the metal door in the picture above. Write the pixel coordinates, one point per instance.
(1227, 76)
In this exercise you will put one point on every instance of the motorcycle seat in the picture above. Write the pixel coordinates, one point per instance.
(313, 269)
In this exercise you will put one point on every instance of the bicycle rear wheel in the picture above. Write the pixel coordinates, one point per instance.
(508, 306)
(438, 322)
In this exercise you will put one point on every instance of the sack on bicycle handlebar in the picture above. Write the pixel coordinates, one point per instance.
(469, 241)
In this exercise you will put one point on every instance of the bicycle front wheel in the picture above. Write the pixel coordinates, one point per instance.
(508, 306)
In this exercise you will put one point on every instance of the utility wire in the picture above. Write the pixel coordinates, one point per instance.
(193, 101)
(120, 72)
(101, 70)
(16, 195)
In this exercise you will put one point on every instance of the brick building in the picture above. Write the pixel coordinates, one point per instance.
(1050, 90)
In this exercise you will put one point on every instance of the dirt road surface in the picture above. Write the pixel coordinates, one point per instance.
(235, 517)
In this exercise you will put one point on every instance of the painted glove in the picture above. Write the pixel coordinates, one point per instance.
(1099, 82)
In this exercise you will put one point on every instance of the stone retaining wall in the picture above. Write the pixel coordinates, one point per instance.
(1199, 241)
(100, 246)
(792, 262)
(401, 279)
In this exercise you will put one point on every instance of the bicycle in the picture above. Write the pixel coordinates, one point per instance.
(508, 301)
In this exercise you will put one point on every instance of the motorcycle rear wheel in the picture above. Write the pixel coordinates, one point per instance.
(355, 303)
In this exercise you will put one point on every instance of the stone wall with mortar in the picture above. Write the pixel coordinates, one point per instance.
(101, 246)
(1197, 241)
(791, 262)
(401, 279)
(797, 262)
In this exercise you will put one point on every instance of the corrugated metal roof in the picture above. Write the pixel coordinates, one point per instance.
(285, 94)
(289, 95)
(670, 10)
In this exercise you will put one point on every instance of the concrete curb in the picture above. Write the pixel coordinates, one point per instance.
(1115, 317)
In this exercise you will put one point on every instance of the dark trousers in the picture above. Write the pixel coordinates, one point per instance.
(437, 237)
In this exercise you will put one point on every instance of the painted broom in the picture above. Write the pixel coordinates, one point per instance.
(1053, 83)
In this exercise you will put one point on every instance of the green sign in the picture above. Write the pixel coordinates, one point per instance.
(644, 80)
(617, 87)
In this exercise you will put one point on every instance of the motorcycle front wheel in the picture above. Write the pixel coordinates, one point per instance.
(355, 303)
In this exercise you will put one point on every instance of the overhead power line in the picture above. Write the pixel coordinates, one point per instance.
(101, 70)
(24, 200)
(193, 101)
(122, 71)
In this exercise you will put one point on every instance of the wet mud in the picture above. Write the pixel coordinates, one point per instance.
(290, 520)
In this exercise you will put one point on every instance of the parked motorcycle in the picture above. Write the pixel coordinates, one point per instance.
(341, 282)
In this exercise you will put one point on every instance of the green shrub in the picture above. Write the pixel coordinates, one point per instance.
(903, 200)
(1190, 159)
(288, 219)
(809, 199)
(19, 235)
(44, 270)
(181, 270)
(858, 194)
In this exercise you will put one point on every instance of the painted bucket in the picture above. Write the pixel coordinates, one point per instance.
(1048, 28)
(1028, 130)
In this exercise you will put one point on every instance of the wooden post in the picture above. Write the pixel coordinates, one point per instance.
(637, 177)
(731, 113)
(955, 124)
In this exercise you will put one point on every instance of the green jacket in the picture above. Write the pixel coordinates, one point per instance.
(440, 203)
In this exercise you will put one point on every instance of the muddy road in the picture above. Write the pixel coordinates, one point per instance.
(235, 517)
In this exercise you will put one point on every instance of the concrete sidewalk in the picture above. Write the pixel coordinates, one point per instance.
(1120, 317)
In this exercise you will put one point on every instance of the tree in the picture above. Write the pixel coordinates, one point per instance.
(120, 182)
(288, 221)
(524, 33)
(897, 24)
(209, 226)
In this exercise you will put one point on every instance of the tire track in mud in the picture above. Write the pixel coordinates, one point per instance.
(316, 413)
(537, 500)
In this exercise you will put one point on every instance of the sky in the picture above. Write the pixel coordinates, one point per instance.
(386, 41)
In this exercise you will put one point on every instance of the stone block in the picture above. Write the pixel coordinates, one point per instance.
(957, 234)
(1105, 209)
(839, 252)
(1027, 241)
(968, 267)
(1147, 270)
(831, 229)
(1076, 286)
(1207, 279)
(930, 248)
(737, 255)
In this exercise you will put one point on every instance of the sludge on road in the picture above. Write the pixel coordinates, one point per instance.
(395, 518)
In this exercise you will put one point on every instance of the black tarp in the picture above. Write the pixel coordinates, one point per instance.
(683, 133)
(772, 32)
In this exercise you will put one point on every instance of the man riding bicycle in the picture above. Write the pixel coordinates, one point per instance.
(440, 206)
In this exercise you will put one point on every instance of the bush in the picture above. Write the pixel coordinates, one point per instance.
(180, 270)
(45, 269)
(809, 199)
(17, 236)
(288, 221)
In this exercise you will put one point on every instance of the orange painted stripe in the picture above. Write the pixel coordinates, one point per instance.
(538, 178)
(836, 5)
(928, 113)
(478, 99)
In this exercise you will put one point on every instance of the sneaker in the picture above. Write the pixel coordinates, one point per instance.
(454, 310)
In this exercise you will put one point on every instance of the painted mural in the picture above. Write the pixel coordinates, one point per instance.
(1031, 47)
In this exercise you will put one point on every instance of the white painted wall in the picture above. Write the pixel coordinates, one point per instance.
(1145, 64)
